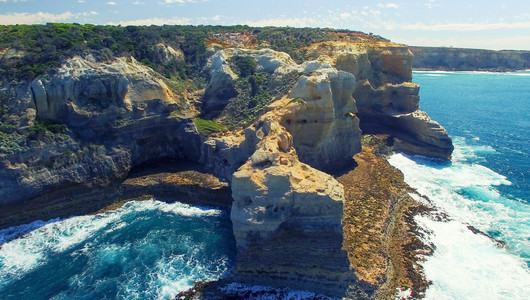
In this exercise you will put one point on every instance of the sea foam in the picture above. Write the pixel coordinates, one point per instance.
(146, 249)
(467, 265)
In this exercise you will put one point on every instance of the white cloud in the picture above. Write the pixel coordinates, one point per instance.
(464, 26)
(430, 4)
(111, 3)
(155, 21)
(41, 17)
(387, 5)
(216, 18)
(345, 15)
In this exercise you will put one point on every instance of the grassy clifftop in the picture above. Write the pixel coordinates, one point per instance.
(28, 51)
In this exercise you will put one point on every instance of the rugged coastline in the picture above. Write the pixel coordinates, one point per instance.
(461, 59)
(262, 128)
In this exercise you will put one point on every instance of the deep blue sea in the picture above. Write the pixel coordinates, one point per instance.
(486, 185)
(153, 250)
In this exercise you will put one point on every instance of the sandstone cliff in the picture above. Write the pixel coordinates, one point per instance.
(276, 125)
(459, 59)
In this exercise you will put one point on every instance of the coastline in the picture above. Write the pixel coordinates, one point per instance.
(373, 188)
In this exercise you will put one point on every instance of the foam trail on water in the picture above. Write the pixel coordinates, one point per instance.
(470, 266)
(467, 265)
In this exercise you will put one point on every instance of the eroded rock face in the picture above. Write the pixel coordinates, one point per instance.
(84, 89)
(221, 85)
(387, 100)
(326, 118)
(165, 54)
(325, 113)
(287, 219)
(117, 115)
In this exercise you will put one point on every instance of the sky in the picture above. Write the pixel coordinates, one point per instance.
(484, 24)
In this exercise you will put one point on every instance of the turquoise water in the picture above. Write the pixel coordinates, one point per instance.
(145, 250)
(486, 184)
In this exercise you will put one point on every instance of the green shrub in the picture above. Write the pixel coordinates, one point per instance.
(208, 127)
(245, 66)
(46, 125)
(297, 100)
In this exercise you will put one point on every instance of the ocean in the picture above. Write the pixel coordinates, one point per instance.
(486, 185)
(153, 250)
(144, 250)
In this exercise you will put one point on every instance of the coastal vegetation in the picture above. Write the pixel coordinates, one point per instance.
(39, 49)
(208, 127)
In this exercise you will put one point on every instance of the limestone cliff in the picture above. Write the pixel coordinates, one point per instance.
(113, 115)
(277, 121)
(387, 100)
(287, 219)
(460, 59)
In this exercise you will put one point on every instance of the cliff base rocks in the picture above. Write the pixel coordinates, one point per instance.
(167, 181)
(379, 231)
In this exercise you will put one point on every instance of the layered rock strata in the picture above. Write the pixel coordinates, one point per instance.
(287, 219)
(165, 181)
(387, 100)
(115, 116)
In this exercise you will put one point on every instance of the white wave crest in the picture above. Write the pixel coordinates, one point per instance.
(19, 256)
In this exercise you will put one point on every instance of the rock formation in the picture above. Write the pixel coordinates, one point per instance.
(117, 115)
(87, 124)
(387, 100)
(287, 219)
(459, 59)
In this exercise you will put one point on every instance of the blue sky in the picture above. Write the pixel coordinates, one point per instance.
(500, 24)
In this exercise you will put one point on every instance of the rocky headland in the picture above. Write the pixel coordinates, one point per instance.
(314, 205)
(462, 59)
